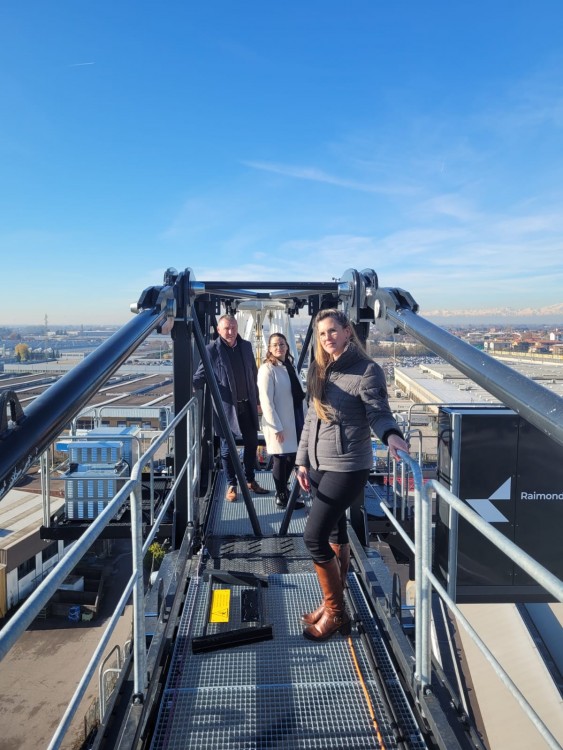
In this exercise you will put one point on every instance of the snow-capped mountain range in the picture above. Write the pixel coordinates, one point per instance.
(549, 314)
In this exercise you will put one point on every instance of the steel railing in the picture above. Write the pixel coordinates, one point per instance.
(132, 488)
(426, 582)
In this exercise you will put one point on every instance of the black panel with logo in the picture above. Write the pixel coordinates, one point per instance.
(512, 475)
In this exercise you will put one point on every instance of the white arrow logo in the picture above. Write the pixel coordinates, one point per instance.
(487, 510)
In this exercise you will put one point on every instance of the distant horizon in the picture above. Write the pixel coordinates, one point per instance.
(493, 316)
(551, 315)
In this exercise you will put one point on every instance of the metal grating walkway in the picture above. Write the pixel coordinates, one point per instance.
(231, 519)
(285, 693)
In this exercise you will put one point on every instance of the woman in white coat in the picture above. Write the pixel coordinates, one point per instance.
(281, 400)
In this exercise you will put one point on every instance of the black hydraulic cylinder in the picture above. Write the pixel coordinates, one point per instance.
(183, 375)
(536, 404)
(305, 347)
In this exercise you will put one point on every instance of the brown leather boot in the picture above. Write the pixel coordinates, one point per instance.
(312, 617)
(334, 617)
(342, 552)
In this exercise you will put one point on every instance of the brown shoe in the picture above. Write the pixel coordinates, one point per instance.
(255, 487)
(231, 494)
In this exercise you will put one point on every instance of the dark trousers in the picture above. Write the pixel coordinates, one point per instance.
(250, 440)
(282, 466)
(333, 493)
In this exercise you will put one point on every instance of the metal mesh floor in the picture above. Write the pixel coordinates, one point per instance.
(283, 693)
(261, 556)
(231, 519)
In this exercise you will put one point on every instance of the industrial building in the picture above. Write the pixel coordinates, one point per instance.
(135, 403)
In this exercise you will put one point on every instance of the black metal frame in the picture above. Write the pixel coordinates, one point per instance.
(193, 307)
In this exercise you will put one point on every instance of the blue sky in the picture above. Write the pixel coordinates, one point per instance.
(290, 140)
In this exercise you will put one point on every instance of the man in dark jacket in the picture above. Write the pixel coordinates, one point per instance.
(236, 372)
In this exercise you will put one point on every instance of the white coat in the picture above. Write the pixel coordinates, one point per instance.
(276, 401)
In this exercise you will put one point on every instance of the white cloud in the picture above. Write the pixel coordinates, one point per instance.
(315, 174)
(451, 206)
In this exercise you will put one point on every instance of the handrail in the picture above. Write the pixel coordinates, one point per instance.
(135, 582)
(98, 411)
(102, 674)
(457, 404)
(425, 580)
(16, 626)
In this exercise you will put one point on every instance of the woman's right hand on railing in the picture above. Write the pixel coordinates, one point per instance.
(396, 443)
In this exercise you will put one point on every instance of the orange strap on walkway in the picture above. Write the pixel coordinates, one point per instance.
(366, 693)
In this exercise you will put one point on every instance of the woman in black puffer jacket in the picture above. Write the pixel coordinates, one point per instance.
(347, 399)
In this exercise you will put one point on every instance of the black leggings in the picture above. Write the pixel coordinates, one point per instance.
(333, 493)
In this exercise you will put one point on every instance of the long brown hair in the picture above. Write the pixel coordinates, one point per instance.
(270, 357)
(317, 372)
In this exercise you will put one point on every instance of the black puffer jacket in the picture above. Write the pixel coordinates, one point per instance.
(356, 391)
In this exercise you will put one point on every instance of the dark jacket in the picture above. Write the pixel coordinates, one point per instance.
(355, 389)
(221, 365)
